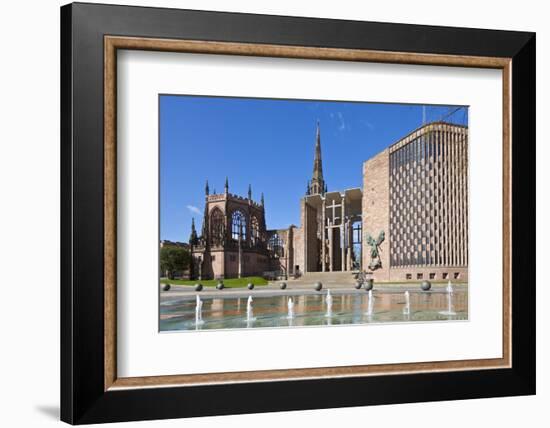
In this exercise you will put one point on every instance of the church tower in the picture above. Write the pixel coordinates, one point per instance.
(317, 184)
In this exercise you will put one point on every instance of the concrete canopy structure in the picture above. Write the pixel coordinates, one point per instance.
(328, 222)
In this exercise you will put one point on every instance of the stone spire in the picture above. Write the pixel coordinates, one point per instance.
(317, 181)
(226, 185)
(206, 189)
(193, 237)
(250, 191)
(262, 199)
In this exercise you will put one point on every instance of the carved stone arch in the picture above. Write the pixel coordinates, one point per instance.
(217, 227)
(239, 223)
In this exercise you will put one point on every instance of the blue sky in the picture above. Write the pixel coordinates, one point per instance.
(270, 144)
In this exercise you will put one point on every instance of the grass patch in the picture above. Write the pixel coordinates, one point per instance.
(229, 283)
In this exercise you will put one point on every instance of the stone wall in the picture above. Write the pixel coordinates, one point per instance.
(309, 222)
(419, 273)
(253, 264)
(298, 244)
(375, 208)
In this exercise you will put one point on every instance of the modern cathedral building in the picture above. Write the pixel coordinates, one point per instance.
(416, 191)
(408, 222)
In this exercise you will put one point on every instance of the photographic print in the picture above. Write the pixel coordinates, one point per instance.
(278, 213)
(309, 186)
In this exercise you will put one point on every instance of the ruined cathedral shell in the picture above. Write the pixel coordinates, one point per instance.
(233, 239)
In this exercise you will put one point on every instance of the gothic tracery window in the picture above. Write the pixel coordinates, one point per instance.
(276, 245)
(254, 230)
(217, 228)
(238, 226)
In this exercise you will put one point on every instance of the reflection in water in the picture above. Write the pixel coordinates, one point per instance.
(312, 310)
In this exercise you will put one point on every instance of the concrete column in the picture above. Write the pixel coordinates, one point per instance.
(287, 252)
(323, 232)
(350, 246)
(343, 235)
(330, 243)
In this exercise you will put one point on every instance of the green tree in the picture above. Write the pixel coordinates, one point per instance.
(173, 259)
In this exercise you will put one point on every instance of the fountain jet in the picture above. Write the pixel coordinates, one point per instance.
(249, 311)
(198, 311)
(329, 304)
(370, 306)
(450, 291)
(407, 308)
(290, 305)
